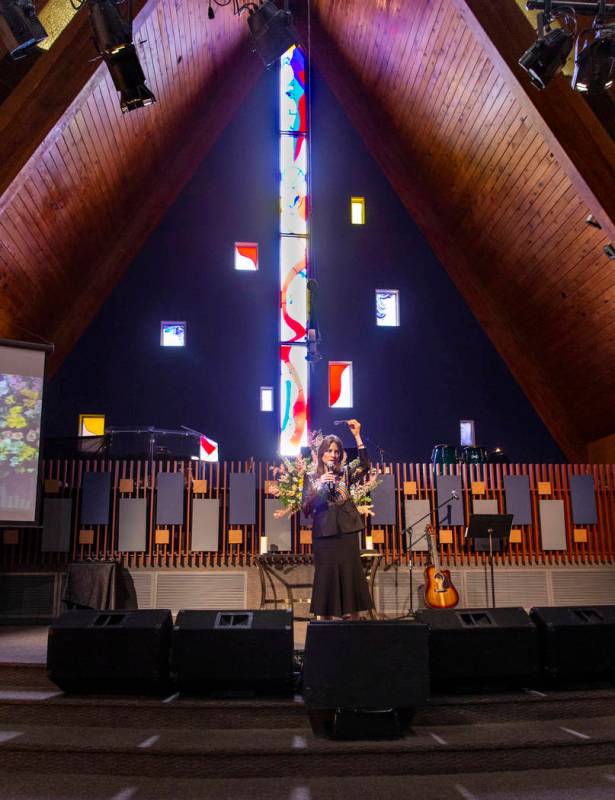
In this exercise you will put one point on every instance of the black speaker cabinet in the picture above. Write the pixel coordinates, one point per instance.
(478, 645)
(365, 679)
(110, 651)
(233, 651)
(576, 641)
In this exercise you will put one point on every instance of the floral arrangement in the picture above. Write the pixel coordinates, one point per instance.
(290, 476)
(20, 410)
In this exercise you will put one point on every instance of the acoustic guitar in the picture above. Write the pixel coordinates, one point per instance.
(439, 589)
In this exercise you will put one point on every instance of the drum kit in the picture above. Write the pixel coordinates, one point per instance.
(468, 454)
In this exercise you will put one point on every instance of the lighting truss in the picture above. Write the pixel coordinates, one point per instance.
(594, 63)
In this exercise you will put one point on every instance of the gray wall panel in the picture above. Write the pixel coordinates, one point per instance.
(57, 513)
(552, 524)
(485, 507)
(242, 498)
(452, 512)
(205, 516)
(518, 502)
(95, 498)
(415, 509)
(277, 530)
(170, 498)
(384, 501)
(583, 498)
(132, 525)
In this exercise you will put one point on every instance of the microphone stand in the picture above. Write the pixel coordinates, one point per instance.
(409, 530)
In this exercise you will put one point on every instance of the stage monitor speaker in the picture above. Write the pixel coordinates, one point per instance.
(473, 646)
(110, 651)
(576, 642)
(364, 679)
(233, 651)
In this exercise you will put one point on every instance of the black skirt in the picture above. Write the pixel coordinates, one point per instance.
(340, 586)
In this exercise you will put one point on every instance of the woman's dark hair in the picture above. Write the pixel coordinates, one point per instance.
(324, 446)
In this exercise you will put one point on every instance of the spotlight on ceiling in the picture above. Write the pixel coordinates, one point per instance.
(549, 53)
(20, 28)
(113, 38)
(272, 29)
(591, 220)
(609, 249)
(594, 62)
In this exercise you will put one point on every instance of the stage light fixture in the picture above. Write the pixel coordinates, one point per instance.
(20, 28)
(594, 63)
(609, 249)
(591, 220)
(113, 38)
(549, 53)
(272, 30)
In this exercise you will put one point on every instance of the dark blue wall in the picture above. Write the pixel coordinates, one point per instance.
(412, 384)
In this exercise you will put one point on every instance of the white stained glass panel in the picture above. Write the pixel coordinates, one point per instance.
(293, 185)
(293, 399)
(466, 432)
(387, 308)
(266, 398)
(293, 289)
(173, 334)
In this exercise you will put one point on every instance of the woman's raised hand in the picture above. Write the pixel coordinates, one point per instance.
(355, 427)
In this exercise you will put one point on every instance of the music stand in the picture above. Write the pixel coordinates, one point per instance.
(489, 533)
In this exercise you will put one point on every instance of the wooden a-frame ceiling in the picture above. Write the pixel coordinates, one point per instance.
(499, 177)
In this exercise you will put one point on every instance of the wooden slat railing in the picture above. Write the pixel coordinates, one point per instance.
(26, 553)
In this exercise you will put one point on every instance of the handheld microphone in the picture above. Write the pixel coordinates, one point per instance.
(340, 422)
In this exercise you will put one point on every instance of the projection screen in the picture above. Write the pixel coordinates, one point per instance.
(22, 373)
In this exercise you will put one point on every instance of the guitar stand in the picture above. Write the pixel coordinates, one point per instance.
(409, 530)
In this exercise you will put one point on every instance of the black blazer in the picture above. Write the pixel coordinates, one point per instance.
(330, 518)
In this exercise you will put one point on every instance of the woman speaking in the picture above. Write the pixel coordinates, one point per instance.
(340, 588)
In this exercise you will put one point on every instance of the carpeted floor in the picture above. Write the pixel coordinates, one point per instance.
(519, 745)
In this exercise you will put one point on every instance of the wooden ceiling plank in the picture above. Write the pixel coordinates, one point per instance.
(396, 45)
(521, 191)
(63, 157)
(477, 156)
(108, 164)
(459, 79)
(156, 65)
(433, 106)
(412, 25)
(575, 272)
(87, 155)
(477, 77)
(419, 56)
(422, 96)
(560, 236)
(535, 188)
(38, 190)
(521, 200)
(187, 11)
(30, 220)
(483, 130)
(460, 162)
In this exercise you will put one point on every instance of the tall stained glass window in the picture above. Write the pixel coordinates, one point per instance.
(294, 252)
